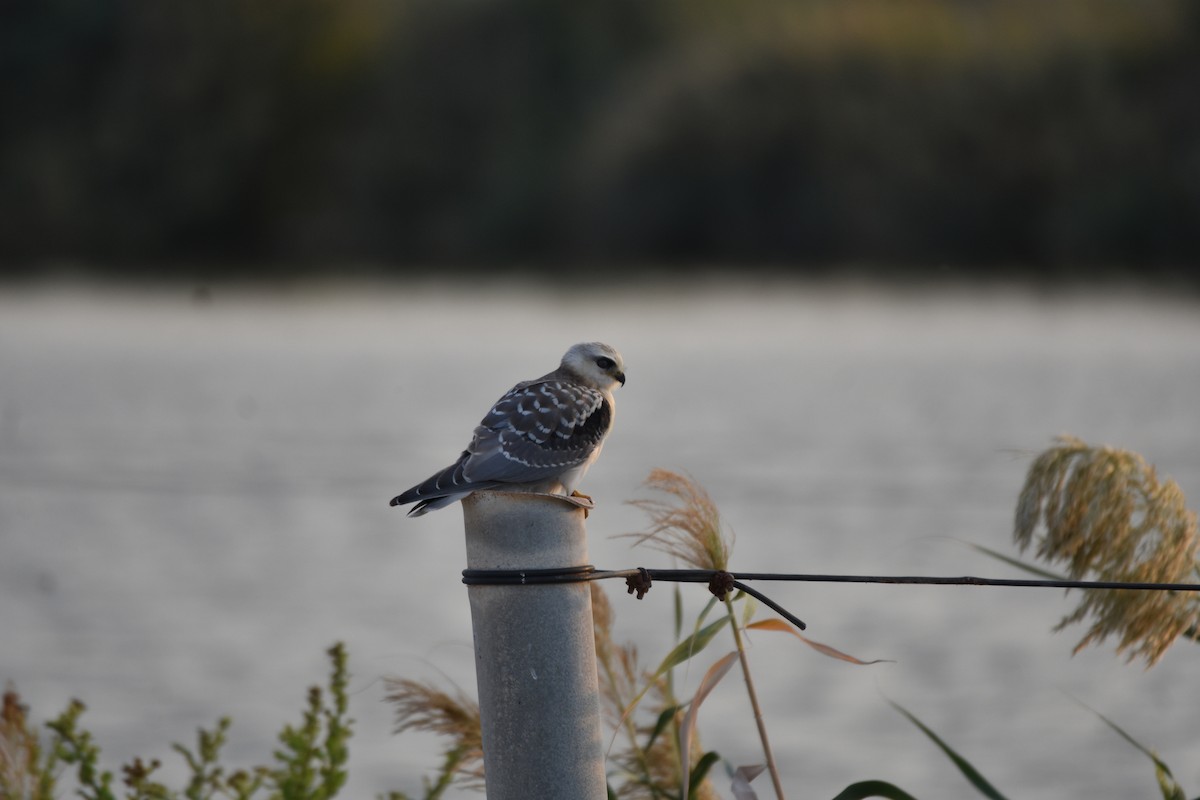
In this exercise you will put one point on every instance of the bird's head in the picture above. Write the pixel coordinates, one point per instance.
(597, 364)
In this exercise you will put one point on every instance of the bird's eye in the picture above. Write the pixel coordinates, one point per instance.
(604, 362)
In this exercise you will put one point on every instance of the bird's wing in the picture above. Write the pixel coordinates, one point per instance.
(538, 430)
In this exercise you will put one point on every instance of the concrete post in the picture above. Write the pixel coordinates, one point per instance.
(535, 655)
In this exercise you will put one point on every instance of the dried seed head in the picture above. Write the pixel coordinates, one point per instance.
(1102, 512)
(687, 525)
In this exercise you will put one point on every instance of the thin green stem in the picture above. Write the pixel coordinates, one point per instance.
(758, 715)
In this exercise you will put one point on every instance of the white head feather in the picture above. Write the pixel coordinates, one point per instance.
(595, 364)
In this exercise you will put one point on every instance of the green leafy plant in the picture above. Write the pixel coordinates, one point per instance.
(28, 771)
(686, 524)
(650, 720)
(310, 765)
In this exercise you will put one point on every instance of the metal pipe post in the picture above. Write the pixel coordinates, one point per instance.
(535, 652)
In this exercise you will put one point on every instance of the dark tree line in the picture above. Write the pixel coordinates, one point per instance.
(143, 136)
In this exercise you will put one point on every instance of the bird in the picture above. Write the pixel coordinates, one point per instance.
(541, 436)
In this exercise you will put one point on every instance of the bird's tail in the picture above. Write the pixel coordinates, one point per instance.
(440, 490)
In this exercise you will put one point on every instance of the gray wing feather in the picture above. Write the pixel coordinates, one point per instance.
(536, 431)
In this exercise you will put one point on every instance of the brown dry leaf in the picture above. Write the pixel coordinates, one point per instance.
(781, 626)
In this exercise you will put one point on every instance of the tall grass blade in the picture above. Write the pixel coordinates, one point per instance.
(1018, 563)
(1166, 781)
(969, 772)
(660, 725)
(711, 678)
(700, 771)
(679, 654)
(678, 611)
(864, 789)
(691, 645)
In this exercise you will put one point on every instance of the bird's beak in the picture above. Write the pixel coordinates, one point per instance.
(621, 377)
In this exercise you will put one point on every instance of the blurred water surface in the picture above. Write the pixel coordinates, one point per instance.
(193, 506)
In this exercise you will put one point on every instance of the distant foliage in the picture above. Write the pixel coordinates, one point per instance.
(1058, 135)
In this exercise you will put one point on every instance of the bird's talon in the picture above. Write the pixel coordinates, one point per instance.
(580, 495)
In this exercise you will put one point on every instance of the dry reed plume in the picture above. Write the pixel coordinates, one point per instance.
(1103, 512)
(689, 527)
(424, 707)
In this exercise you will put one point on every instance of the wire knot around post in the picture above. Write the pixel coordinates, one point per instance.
(523, 577)
(639, 582)
(721, 584)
